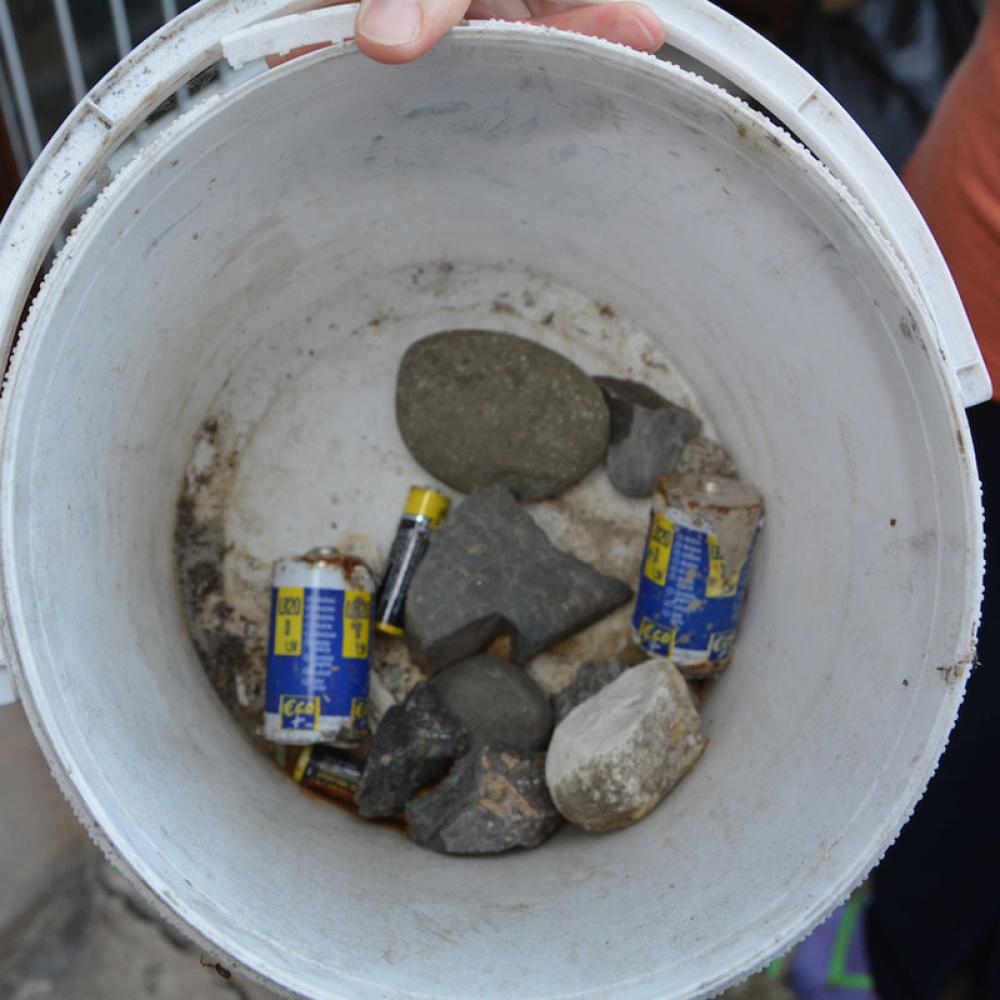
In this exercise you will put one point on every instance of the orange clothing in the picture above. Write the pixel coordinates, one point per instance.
(954, 177)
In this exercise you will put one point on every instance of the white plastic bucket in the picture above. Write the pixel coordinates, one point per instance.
(830, 355)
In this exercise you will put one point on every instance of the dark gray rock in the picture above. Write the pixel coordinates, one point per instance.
(493, 800)
(414, 745)
(590, 678)
(496, 703)
(648, 435)
(491, 571)
(477, 408)
(705, 456)
(618, 754)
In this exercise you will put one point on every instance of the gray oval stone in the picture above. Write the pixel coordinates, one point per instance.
(495, 702)
(478, 408)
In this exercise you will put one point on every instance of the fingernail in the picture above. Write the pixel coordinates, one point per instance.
(632, 30)
(390, 22)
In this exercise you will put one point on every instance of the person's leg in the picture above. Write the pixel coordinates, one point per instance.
(936, 901)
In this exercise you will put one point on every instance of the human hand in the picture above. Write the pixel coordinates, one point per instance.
(398, 31)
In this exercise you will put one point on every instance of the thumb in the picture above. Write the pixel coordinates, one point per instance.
(396, 31)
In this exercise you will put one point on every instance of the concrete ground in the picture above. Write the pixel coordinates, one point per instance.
(71, 928)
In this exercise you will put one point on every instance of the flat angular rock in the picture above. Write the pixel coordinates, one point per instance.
(477, 408)
(615, 757)
(413, 746)
(491, 571)
(496, 703)
(493, 800)
(648, 435)
(590, 678)
(705, 456)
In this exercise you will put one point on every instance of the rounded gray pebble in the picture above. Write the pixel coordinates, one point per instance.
(495, 702)
(648, 435)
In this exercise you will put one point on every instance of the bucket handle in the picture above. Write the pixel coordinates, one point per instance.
(725, 45)
(750, 61)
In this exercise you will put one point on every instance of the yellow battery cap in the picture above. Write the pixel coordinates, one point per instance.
(302, 763)
(428, 504)
(389, 629)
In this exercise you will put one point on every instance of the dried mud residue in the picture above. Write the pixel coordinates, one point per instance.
(230, 642)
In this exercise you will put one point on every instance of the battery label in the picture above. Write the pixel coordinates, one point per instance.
(408, 549)
(661, 542)
(288, 621)
(357, 624)
(687, 606)
(317, 669)
(719, 584)
(299, 713)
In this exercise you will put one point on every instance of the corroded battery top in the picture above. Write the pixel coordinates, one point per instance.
(725, 508)
(355, 572)
(713, 492)
(324, 555)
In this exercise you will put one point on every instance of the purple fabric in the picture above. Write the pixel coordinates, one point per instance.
(816, 972)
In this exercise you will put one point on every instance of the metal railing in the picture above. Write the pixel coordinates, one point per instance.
(39, 86)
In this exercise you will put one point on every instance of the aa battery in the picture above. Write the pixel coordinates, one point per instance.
(425, 509)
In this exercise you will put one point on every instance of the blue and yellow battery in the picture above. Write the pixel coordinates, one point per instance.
(692, 585)
(424, 511)
(319, 652)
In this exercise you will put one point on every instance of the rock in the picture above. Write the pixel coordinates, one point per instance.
(477, 409)
(496, 703)
(380, 700)
(615, 757)
(491, 571)
(608, 639)
(395, 669)
(412, 747)
(702, 454)
(590, 678)
(493, 800)
(648, 435)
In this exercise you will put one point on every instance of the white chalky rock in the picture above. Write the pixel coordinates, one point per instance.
(615, 757)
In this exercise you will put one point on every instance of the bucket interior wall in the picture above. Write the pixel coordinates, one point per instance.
(278, 208)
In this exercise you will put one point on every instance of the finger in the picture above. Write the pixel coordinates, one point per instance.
(627, 23)
(397, 31)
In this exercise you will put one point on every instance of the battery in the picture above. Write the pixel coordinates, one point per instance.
(319, 650)
(693, 579)
(425, 509)
(329, 771)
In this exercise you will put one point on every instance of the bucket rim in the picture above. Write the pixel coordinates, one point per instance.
(55, 759)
